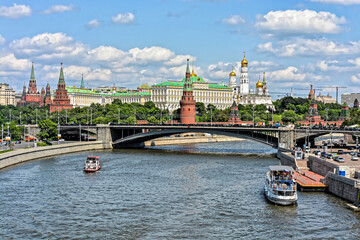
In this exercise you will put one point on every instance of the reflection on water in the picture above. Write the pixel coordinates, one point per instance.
(162, 194)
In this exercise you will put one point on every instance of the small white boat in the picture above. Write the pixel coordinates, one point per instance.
(92, 164)
(280, 185)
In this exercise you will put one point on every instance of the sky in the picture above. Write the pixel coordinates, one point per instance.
(128, 43)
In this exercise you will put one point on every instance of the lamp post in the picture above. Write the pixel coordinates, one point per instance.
(91, 116)
(119, 116)
(253, 115)
(326, 114)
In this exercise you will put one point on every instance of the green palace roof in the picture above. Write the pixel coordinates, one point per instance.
(181, 84)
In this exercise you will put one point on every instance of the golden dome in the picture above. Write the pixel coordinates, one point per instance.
(232, 74)
(193, 74)
(259, 84)
(244, 62)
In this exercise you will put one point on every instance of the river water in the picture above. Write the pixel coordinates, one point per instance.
(195, 191)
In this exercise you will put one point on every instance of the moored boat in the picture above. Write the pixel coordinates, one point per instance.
(92, 164)
(280, 185)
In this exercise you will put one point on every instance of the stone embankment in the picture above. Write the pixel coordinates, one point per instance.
(190, 139)
(28, 154)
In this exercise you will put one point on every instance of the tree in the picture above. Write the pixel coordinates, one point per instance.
(48, 130)
(289, 116)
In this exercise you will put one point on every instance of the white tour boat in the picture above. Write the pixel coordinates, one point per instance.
(92, 164)
(280, 185)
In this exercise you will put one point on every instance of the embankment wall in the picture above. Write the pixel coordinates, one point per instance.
(343, 187)
(286, 159)
(23, 155)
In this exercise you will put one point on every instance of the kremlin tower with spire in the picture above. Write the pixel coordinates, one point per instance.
(187, 102)
(61, 100)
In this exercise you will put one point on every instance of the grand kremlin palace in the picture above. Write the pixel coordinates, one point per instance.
(167, 95)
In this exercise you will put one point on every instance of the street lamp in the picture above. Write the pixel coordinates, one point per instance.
(326, 114)
(253, 115)
(119, 116)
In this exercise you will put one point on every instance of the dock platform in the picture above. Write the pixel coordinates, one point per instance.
(308, 181)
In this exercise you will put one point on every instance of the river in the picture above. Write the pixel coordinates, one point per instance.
(192, 191)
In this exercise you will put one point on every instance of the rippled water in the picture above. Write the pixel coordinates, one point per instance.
(172, 192)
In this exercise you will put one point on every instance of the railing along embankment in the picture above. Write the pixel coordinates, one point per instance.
(28, 154)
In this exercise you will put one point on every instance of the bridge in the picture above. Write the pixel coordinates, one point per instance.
(134, 136)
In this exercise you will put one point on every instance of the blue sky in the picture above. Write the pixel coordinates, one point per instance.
(147, 41)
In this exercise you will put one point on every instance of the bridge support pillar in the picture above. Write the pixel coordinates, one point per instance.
(286, 139)
(104, 134)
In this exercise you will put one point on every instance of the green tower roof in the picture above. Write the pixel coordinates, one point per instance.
(82, 81)
(61, 77)
(32, 76)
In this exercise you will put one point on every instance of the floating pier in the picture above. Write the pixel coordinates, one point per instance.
(308, 181)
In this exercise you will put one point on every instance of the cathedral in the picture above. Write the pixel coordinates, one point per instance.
(245, 95)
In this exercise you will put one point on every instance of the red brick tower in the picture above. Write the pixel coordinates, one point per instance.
(61, 99)
(42, 97)
(311, 93)
(32, 94)
(47, 98)
(234, 116)
(187, 102)
(22, 102)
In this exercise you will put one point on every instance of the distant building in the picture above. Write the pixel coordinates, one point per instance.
(325, 99)
(356, 103)
(349, 98)
(7, 94)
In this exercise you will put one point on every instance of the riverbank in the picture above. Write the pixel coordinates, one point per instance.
(190, 139)
(22, 155)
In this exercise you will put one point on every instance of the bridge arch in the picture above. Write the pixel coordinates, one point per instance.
(138, 139)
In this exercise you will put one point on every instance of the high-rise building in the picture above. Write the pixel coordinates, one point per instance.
(61, 100)
(7, 94)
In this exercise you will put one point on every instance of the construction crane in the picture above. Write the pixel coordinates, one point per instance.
(304, 89)
(337, 91)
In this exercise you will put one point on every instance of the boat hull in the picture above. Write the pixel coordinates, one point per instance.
(91, 170)
(279, 200)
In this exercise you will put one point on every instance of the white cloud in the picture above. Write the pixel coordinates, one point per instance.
(2, 40)
(234, 20)
(151, 54)
(58, 9)
(309, 47)
(10, 63)
(299, 22)
(16, 11)
(93, 23)
(179, 59)
(343, 2)
(49, 46)
(355, 78)
(106, 53)
(355, 61)
(123, 18)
